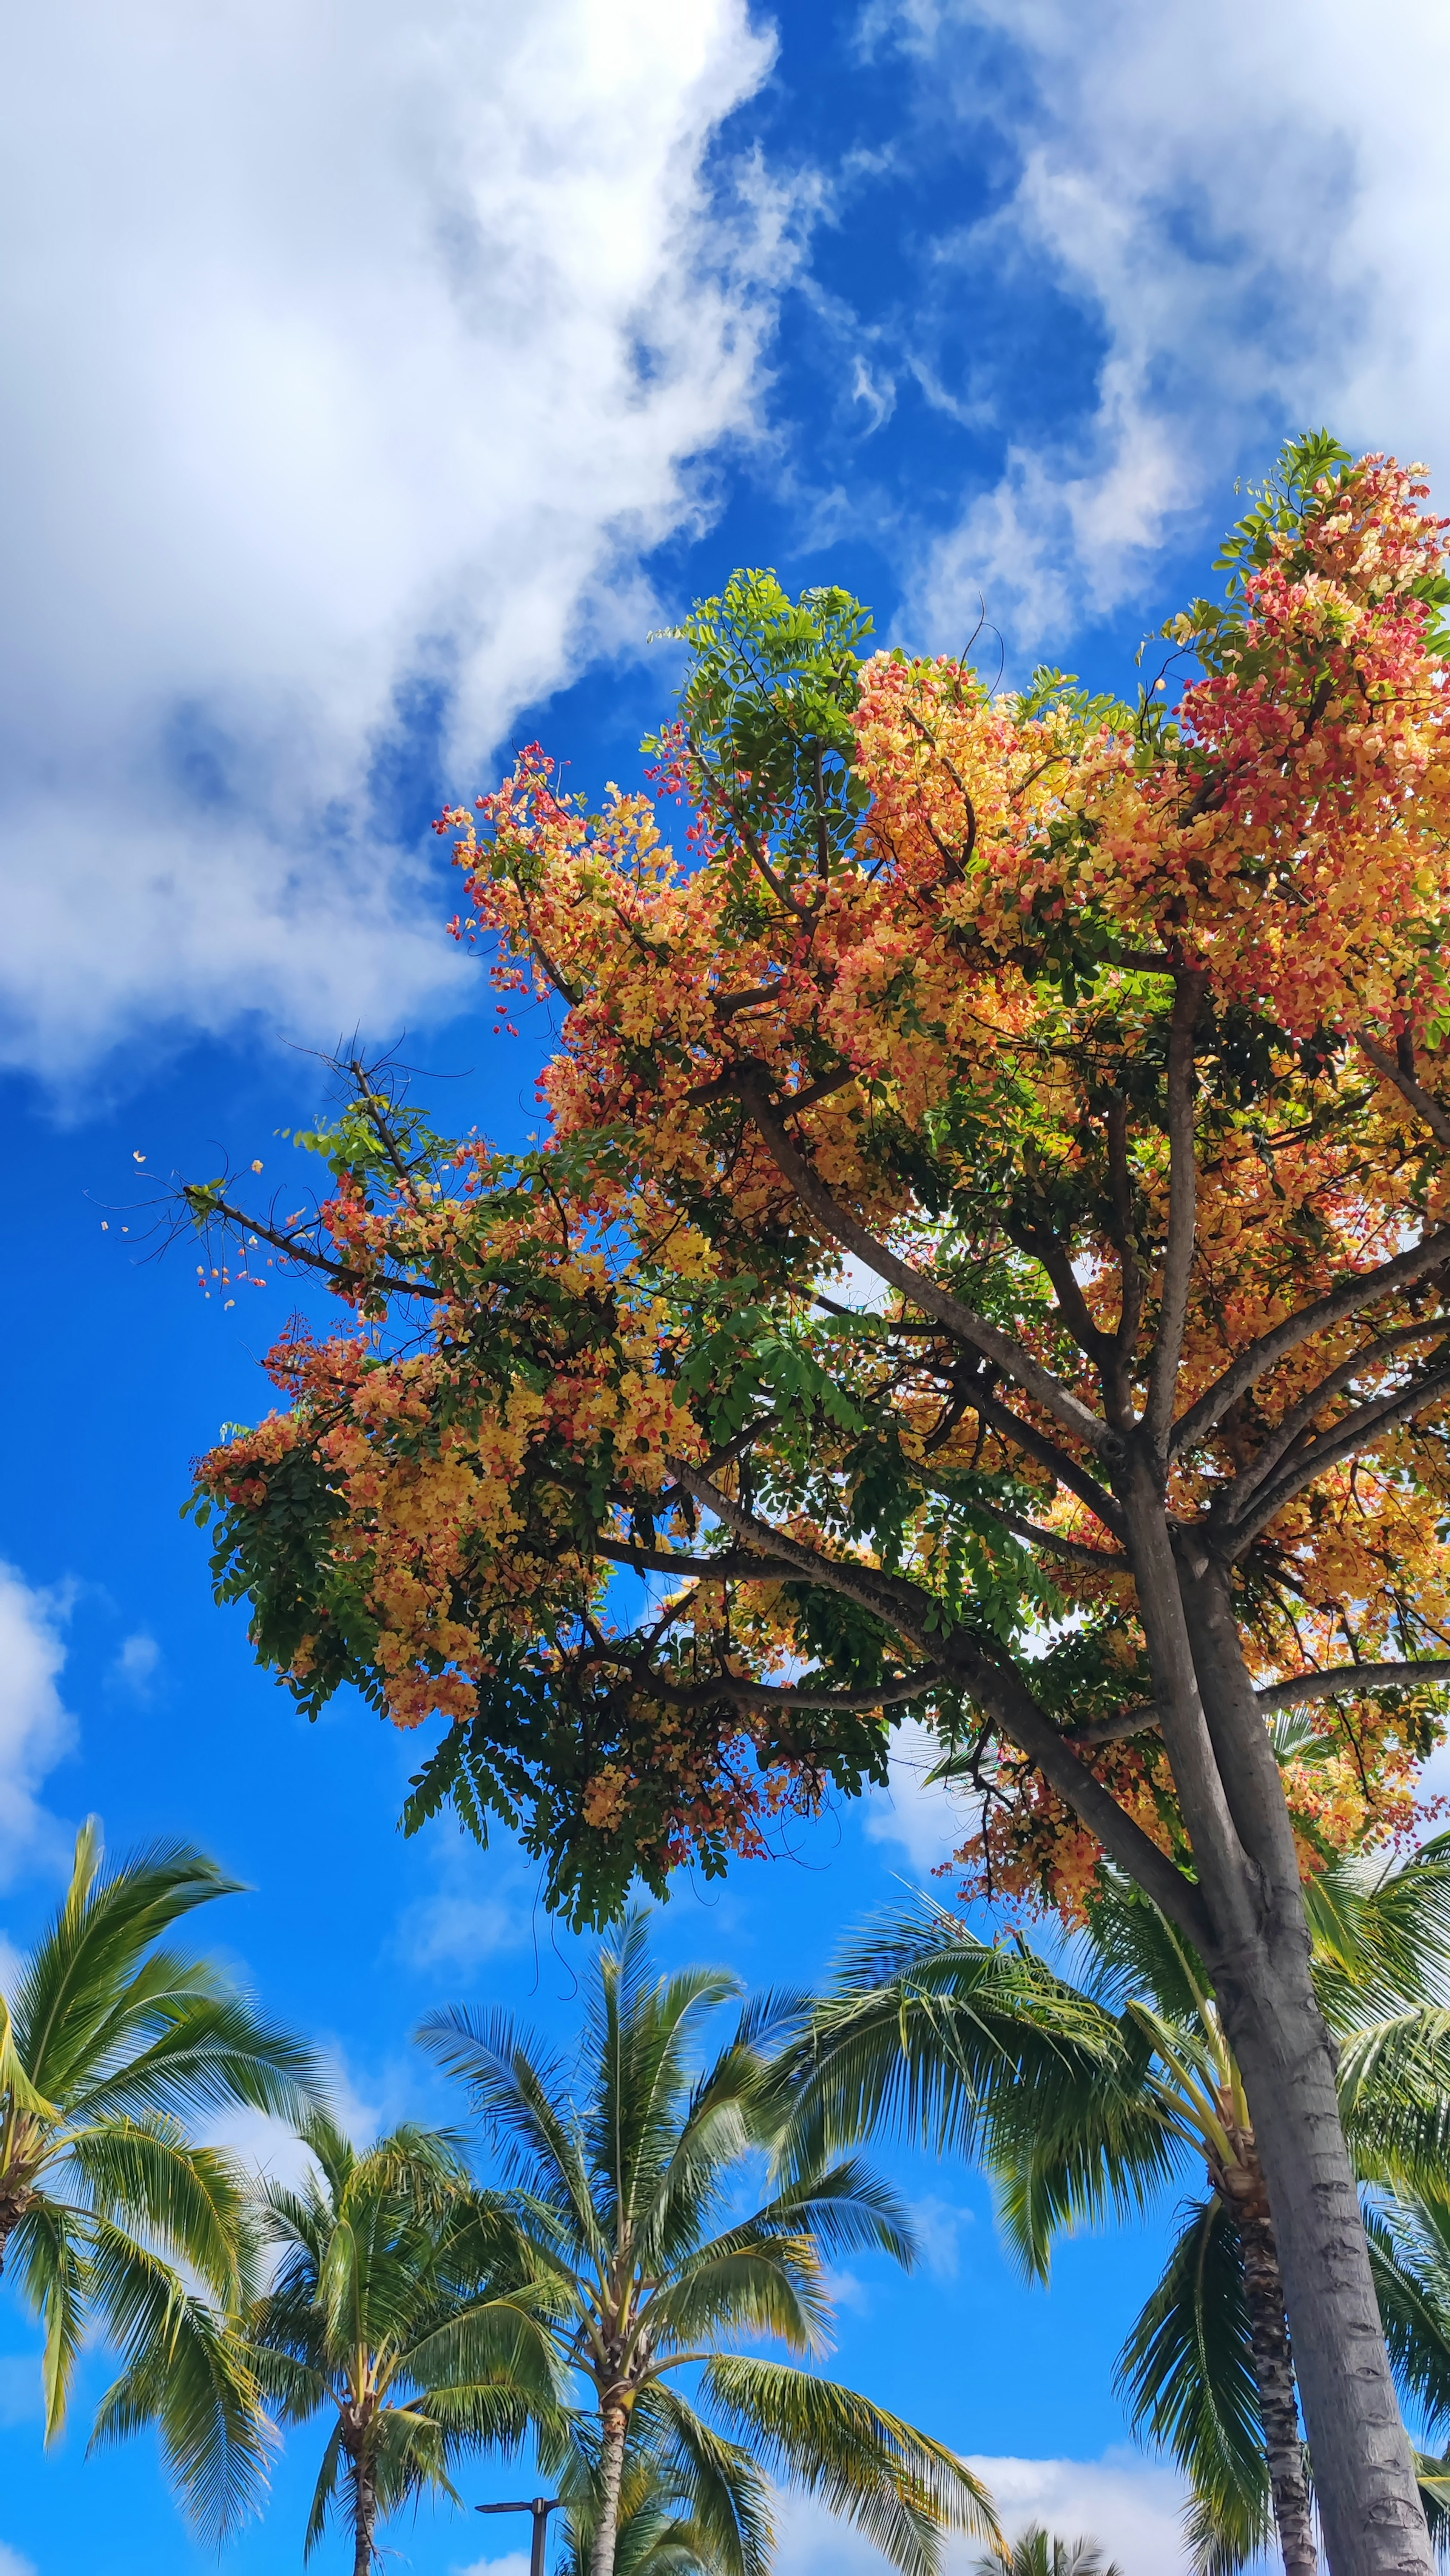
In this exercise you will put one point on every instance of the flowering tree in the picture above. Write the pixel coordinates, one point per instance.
(988, 1261)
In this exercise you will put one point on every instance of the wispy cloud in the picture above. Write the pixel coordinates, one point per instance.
(137, 1663)
(482, 1906)
(939, 2226)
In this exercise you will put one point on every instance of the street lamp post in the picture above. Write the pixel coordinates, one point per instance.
(540, 2507)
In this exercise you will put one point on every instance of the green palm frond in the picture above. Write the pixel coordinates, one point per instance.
(324, 2493)
(898, 2487)
(716, 2479)
(47, 2255)
(1187, 2375)
(192, 2377)
(147, 2176)
(928, 2032)
(1035, 2552)
(1409, 2251)
(517, 2090)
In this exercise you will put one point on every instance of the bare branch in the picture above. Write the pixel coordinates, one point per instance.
(1182, 1215)
(204, 1205)
(1353, 1294)
(1010, 1426)
(732, 1566)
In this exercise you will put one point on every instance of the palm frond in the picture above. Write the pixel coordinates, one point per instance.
(896, 2485)
(1187, 2375)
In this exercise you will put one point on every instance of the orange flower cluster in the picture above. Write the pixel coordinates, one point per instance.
(911, 987)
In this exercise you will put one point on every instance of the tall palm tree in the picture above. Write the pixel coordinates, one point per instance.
(655, 2535)
(111, 2217)
(1036, 2553)
(388, 2318)
(620, 2168)
(1085, 2098)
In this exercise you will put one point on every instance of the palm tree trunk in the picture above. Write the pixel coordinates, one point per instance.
(611, 2469)
(15, 2199)
(1278, 2403)
(364, 2517)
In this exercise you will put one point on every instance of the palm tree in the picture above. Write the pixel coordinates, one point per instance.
(387, 2315)
(111, 2217)
(1035, 2553)
(1085, 2098)
(655, 2535)
(619, 2168)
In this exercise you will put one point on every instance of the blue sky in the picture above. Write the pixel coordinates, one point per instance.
(378, 380)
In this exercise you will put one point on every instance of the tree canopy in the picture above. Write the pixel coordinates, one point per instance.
(989, 1080)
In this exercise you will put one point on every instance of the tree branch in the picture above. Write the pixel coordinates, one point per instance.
(1351, 1436)
(995, 1686)
(1364, 1289)
(204, 1205)
(733, 1566)
(1182, 1215)
(1300, 1417)
(765, 1695)
(961, 1321)
(1348, 1679)
(1436, 1118)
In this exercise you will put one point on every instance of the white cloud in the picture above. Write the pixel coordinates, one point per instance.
(137, 1662)
(516, 2564)
(938, 2226)
(351, 353)
(273, 2150)
(1129, 2507)
(11, 2562)
(1244, 202)
(482, 1906)
(925, 1819)
(36, 1728)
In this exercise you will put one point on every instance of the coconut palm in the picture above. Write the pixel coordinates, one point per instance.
(1085, 2098)
(619, 2169)
(388, 2317)
(112, 2218)
(1036, 2553)
(655, 2534)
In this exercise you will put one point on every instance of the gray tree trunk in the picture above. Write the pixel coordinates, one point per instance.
(1248, 1869)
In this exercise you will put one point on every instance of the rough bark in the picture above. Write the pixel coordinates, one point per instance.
(15, 2199)
(364, 2519)
(1242, 2187)
(1369, 2502)
(611, 2469)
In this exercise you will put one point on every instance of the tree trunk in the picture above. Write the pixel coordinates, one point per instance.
(611, 2469)
(364, 2517)
(1364, 2471)
(1243, 2190)
(15, 2200)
